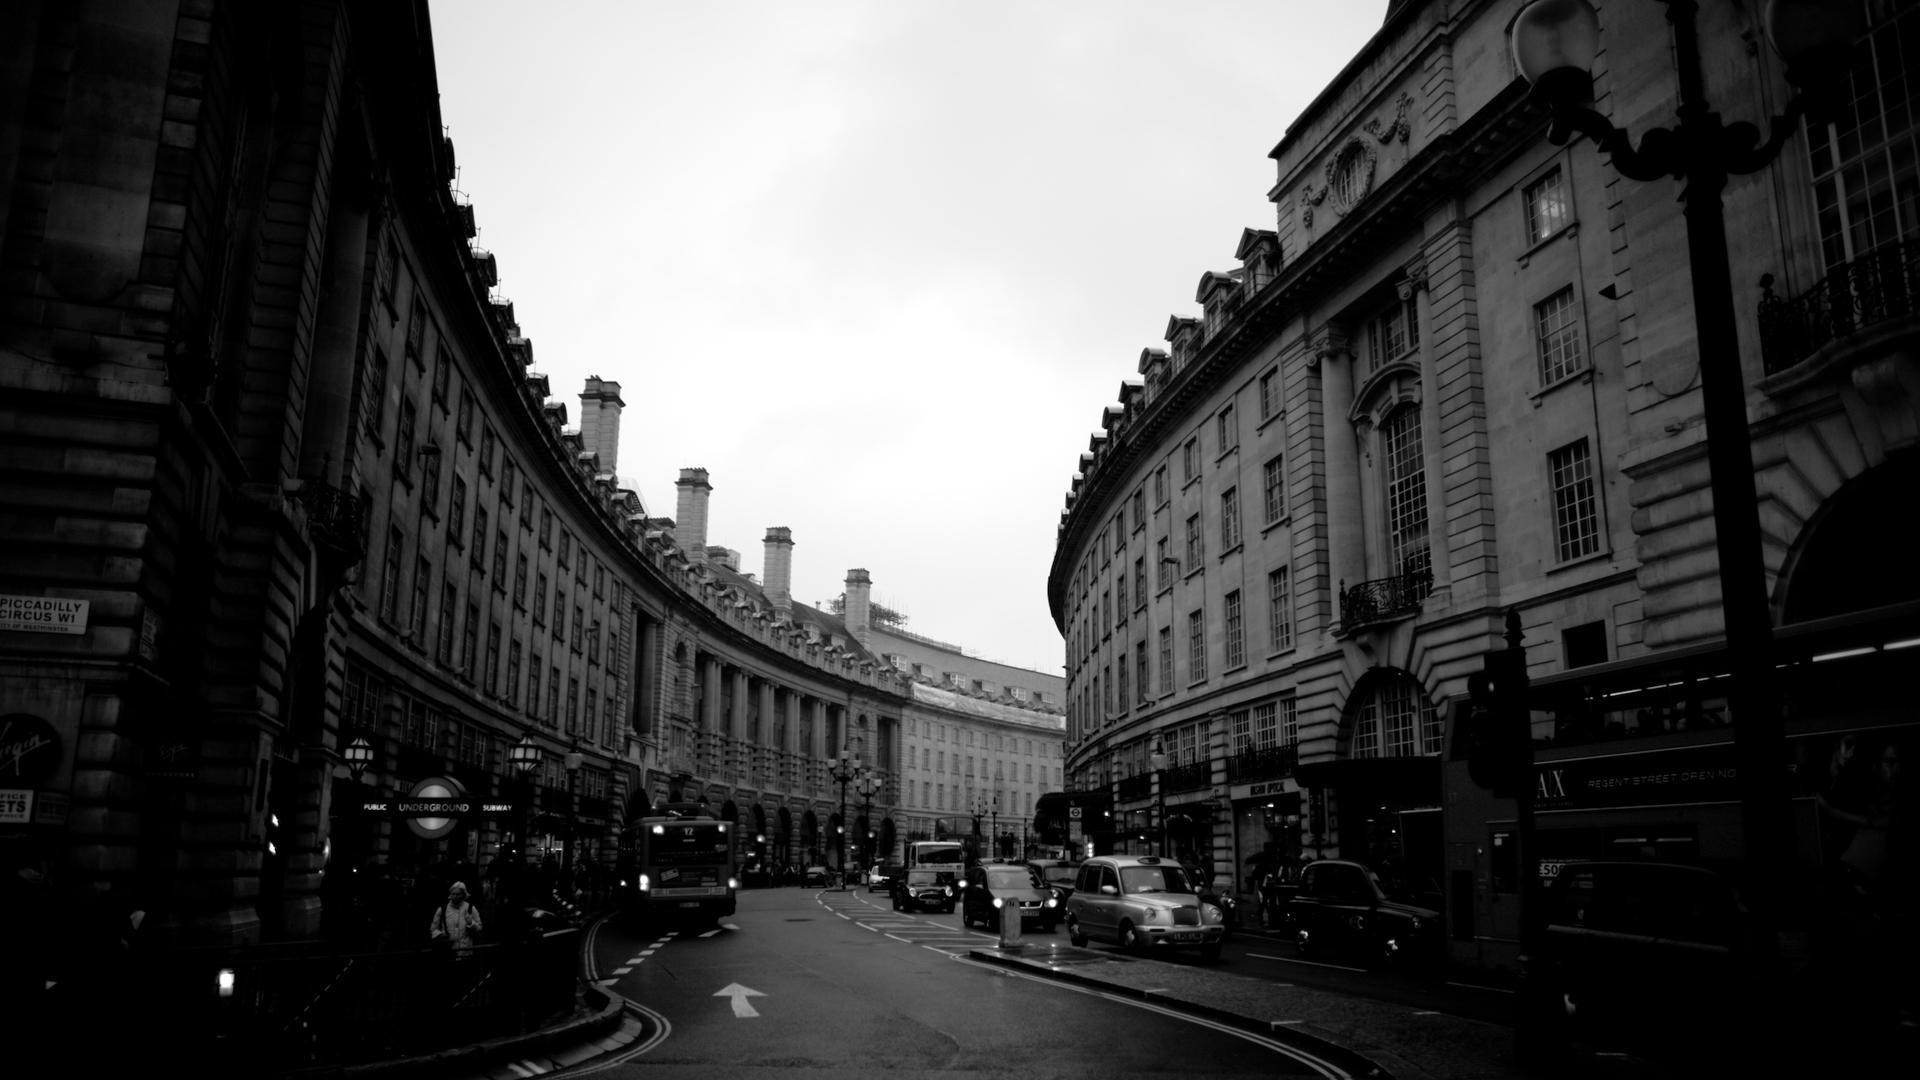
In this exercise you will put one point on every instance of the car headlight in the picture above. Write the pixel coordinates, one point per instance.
(1053, 901)
(1209, 913)
(996, 901)
(1149, 914)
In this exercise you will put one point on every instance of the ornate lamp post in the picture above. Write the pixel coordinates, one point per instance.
(573, 761)
(1554, 44)
(1158, 759)
(843, 769)
(525, 758)
(358, 755)
(865, 785)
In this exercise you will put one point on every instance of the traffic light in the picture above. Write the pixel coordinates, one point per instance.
(1498, 751)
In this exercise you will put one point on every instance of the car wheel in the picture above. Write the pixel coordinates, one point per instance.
(1210, 951)
(1075, 936)
(1131, 940)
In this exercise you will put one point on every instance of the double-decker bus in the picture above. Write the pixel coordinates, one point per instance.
(680, 867)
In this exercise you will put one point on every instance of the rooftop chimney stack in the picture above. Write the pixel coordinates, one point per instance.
(859, 598)
(600, 407)
(690, 514)
(777, 570)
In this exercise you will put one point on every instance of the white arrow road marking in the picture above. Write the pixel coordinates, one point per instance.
(740, 994)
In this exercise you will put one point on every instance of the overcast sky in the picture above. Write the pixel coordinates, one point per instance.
(876, 266)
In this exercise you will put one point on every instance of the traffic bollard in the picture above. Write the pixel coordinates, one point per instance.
(1010, 927)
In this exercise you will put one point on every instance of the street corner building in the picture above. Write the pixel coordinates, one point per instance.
(306, 581)
(1454, 387)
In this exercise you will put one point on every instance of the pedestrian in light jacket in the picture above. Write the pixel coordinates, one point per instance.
(457, 921)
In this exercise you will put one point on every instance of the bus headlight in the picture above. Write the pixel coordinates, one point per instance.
(733, 883)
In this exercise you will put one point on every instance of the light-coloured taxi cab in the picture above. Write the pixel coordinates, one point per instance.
(1140, 902)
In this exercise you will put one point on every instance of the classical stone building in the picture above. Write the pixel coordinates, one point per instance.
(1457, 377)
(292, 525)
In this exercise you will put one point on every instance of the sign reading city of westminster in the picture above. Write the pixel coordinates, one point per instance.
(43, 614)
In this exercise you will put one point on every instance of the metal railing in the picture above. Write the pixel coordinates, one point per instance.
(1135, 787)
(1263, 763)
(298, 1007)
(1384, 598)
(1878, 287)
(1189, 777)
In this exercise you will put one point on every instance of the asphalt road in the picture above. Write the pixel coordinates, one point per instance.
(802, 982)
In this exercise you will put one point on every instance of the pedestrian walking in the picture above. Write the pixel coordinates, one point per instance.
(456, 923)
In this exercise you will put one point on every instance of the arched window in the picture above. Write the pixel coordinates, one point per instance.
(1393, 719)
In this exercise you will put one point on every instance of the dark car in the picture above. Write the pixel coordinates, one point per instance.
(1058, 874)
(815, 875)
(880, 878)
(1643, 950)
(920, 889)
(1341, 907)
(1220, 892)
(993, 889)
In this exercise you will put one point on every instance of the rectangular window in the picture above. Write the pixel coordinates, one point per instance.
(1289, 722)
(553, 697)
(1166, 660)
(493, 657)
(479, 552)
(430, 484)
(566, 548)
(486, 451)
(469, 640)
(1407, 550)
(376, 395)
(1547, 209)
(457, 511)
(1140, 508)
(1576, 516)
(463, 422)
(499, 560)
(1279, 610)
(1166, 560)
(1196, 646)
(1274, 477)
(513, 672)
(390, 577)
(422, 579)
(1140, 581)
(1392, 335)
(1229, 429)
(579, 637)
(416, 329)
(1557, 336)
(448, 604)
(1229, 519)
(1160, 485)
(506, 481)
(560, 614)
(1190, 460)
(1120, 682)
(533, 687)
(573, 704)
(1196, 545)
(1863, 158)
(546, 527)
(403, 450)
(1236, 631)
(442, 372)
(540, 600)
(1140, 668)
(520, 579)
(1270, 394)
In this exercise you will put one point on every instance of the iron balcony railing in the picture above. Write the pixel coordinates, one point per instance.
(1190, 777)
(1135, 787)
(336, 520)
(1263, 763)
(1384, 598)
(1881, 286)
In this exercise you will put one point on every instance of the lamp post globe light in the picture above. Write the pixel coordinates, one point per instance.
(843, 769)
(1554, 45)
(358, 755)
(524, 756)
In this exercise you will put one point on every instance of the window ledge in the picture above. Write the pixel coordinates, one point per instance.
(1583, 375)
(1602, 555)
(1570, 230)
(1283, 519)
(1227, 453)
(1234, 550)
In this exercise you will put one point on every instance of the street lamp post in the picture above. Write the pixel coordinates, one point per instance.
(1554, 44)
(1158, 759)
(843, 769)
(866, 785)
(525, 758)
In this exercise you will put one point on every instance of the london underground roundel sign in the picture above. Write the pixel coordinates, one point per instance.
(438, 802)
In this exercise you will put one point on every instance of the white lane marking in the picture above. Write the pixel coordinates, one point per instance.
(740, 994)
(1308, 963)
(1426, 1012)
(623, 970)
(1478, 986)
(527, 1068)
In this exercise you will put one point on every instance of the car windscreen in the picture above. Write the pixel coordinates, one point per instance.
(923, 877)
(1009, 878)
(1154, 879)
(1061, 875)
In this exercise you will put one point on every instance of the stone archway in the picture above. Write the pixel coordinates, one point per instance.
(1849, 558)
